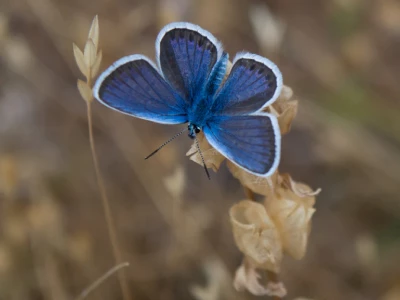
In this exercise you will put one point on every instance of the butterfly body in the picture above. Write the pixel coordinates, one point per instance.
(189, 85)
(203, 107)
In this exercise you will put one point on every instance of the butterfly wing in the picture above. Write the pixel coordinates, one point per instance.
(253, 83)
(133, 85)
(186, 55)
(252, 142)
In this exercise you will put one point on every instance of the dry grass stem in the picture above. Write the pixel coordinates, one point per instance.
(100, 280)
(89, 63)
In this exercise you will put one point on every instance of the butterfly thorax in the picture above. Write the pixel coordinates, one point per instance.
(197, 120)
(200, 110)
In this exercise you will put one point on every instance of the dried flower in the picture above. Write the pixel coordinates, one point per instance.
(260, 185)
(291, 210)
(246, 277)
(212, 157)
(263, 232)
(89, 61)
(285, 109)
(256, 235)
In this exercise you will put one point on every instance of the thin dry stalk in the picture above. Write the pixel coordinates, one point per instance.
(88, 62)
(100, 280)
(107, 211)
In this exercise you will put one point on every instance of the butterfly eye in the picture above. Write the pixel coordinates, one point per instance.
(197, 129)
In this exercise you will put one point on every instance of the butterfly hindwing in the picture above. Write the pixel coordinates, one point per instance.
(186, 55)
(252, 142)
(133, 86)
(253, 83)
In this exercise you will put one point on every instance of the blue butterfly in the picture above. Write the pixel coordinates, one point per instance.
(188, 87)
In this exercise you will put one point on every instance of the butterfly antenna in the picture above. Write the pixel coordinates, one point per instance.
(202, 158)
(166, 143)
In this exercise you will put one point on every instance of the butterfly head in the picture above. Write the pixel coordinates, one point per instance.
(193, 130)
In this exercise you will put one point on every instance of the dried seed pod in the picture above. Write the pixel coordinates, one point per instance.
(286, 117)
(80, 61)
(291, 209)
(212, 157)
(85, 91)
(89, 60)
(94, 32)
(258, 184)
(256, 235)
(247, 278)
(285, 109)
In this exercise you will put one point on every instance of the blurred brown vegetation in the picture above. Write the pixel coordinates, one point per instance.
(341, 57)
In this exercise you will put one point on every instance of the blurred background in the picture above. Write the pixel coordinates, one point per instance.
(341, 58)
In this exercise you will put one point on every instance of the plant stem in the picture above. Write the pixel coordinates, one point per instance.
(100, 280)
(107, 211)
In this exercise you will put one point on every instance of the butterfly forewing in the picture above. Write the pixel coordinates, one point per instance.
(253, 83)
(252, 142)
(133, 86)
(186, 56)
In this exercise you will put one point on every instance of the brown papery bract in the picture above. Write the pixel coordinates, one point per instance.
(285, 109)
(256, 235)
(291, 211)
(258, 184)
(212, 157)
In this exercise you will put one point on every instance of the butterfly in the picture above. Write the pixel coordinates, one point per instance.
(188, 85)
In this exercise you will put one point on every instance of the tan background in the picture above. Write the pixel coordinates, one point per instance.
(341, 57)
